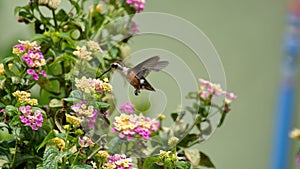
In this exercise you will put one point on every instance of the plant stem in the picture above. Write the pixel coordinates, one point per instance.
(54, 19)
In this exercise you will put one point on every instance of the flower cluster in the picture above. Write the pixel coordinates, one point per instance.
(32, 56)
(139, 5)
(34, 119)
(167, 157)
(83, 53)
(83, 110)
(60, 143)
(73, 120)
(118, 161)
(208, 90)
(85, 142)
(23, 97)
(53, 4)
(89, 85)
(130, 125)
(127, 108)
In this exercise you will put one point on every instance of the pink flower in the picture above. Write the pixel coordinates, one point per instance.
(127, 108)
(139, 5)
(33, 119)
(119, 161)
(85, 142)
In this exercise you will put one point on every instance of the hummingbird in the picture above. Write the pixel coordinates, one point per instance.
(136, 75)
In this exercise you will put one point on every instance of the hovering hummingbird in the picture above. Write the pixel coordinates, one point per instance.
(136, 75)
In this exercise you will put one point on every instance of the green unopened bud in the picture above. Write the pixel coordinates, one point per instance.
(67, 127)
(125, 51)
(79, 132)
(160, 117)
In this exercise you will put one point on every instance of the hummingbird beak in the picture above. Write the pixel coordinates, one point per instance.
(109, 69)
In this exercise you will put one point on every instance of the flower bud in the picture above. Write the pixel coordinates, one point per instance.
(53, 4)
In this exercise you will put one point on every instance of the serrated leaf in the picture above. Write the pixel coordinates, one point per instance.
(148, 163)
(76, 94)
(51, 157)
(183, 165)
(11, 109)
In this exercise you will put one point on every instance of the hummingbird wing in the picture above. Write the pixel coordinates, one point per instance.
(151, 64)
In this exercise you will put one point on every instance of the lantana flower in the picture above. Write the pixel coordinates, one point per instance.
(23, 97)
(85, 142)
(31, 54)
(135, 125)
(83, 111)
(118, 161)
(89, 85)
(139, 5)
(127, 108)
(31, 118)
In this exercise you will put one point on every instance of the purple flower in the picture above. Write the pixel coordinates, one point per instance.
(93, 119)
(127, 108)
(30, 71)
(139, 5)
(119, 161)
(33, 119)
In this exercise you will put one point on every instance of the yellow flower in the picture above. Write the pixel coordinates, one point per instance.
(2, 70)
(73, 120)
(106, 87)
(10, 65)
(99, 8)
(102, 154)
(32, 102)
(59, 142)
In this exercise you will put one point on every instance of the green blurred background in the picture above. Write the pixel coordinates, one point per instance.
(248, 37)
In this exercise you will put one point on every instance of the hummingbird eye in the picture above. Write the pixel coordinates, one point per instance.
(114, 65)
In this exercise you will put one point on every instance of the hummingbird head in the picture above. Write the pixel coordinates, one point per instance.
(116, 66)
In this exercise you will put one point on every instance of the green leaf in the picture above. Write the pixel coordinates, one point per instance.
(188, 139)
(11, 110)
(25, 158)
(114, 51)
(76, 94)
(50, 136)
(149, 162)
(62, 15)
(82, 166)
(183, 165)
(102, 105)
(14, 121)
(205, 161)
(54, 103)
(52, 157)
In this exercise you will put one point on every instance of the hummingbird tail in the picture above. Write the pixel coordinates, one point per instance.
(146, 85)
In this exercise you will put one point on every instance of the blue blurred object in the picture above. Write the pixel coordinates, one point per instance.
(286, 96)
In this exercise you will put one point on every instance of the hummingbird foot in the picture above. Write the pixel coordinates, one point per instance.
(136, 92)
